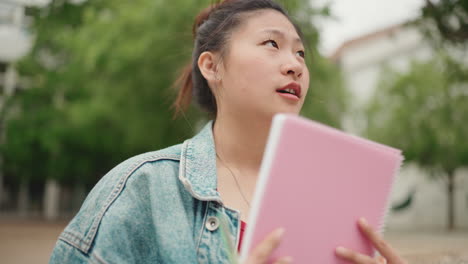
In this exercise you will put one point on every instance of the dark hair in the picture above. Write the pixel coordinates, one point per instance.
(211, 30)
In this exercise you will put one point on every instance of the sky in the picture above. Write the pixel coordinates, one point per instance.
(354, 18)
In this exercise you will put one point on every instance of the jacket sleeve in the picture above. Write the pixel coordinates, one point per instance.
(131, 216)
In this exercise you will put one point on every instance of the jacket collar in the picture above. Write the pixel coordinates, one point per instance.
(198, 170)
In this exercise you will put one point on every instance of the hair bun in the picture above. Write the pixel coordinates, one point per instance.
(204, 15)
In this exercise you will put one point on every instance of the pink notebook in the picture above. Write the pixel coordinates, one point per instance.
(316, 181)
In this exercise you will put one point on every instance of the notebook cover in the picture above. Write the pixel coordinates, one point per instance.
(316, 182)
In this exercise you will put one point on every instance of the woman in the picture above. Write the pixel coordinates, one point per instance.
(189, 202)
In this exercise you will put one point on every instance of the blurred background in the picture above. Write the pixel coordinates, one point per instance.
(85, 85)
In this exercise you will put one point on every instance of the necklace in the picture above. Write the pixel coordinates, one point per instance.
(235, 179)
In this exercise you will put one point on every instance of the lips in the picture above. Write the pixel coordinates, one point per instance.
(291, 89)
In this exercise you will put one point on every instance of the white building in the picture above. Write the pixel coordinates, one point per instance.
(424, 201)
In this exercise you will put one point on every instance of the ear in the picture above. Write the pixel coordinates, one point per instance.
(207, 63)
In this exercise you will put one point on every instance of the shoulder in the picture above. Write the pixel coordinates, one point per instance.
(154, 158)
(141, 165)
(122, 192)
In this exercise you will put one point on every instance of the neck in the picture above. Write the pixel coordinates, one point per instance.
(240, 142)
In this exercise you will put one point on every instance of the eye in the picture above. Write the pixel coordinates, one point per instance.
(271, 43)
(301, 53)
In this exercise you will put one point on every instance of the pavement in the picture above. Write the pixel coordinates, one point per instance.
(28, 242)
(436, 247)
(24, 241)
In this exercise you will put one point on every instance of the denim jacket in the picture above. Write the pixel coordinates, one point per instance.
(158, 207)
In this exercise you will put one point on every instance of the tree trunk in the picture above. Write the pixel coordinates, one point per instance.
(23, 199)
(2, 191)
(51, 200)
(2, 165)
(451, 201)
(79, 195)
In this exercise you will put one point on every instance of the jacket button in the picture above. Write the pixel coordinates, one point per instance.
(212, 223)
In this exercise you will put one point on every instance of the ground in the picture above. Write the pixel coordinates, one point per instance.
(32, 242)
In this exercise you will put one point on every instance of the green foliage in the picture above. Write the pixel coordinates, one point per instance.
(448, 20)
(101, 77)
(424, 112)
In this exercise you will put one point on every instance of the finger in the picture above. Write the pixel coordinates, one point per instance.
(354, 257)
(379, 243)
(263, 251)
(285, 260)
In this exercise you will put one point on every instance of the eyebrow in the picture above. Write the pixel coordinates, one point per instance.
(281, 34)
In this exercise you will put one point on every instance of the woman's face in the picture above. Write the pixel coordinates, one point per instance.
(264, 70)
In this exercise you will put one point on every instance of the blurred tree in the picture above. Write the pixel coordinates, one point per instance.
(100, 86)
(448, 20)
(424, 112)
(101, 75)
(421, 111)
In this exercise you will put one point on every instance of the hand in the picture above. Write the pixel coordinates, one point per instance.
(388, 254)
(263, 251)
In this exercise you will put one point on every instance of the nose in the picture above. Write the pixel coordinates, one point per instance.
(292, 67)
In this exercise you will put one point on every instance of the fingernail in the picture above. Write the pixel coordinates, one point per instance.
(280, 233)
(341, 250)
(363, 221)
